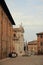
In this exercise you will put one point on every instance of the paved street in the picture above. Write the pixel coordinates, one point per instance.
(32, 60)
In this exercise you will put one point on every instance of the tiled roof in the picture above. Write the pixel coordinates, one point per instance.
(32, 42)
(41, 33)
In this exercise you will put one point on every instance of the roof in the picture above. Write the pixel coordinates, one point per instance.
(41, 33)
(32, 42)
(6, 10)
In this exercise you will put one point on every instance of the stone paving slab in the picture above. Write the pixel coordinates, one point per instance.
(32, 60)
(2, 60)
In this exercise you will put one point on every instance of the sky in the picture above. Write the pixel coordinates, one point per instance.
(30, 14)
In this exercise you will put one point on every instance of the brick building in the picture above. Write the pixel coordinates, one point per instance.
(6, 29)
(18, 40)
(40, 42)
(32, 47)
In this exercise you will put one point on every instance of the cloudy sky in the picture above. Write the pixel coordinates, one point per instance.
(30, 13)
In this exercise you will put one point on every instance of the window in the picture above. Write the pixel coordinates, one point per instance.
(41, 36)
(41, 43)
(42, 50)
(14, 35)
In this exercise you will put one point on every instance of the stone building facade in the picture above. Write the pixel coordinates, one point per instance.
(6, 30)
(40, 42)
(18, 40)
(32, 47)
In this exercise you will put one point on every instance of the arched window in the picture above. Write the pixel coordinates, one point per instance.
(14, 35)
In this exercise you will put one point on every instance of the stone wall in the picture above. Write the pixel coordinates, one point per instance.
(18, 41)
(40, 43)
(5, 34)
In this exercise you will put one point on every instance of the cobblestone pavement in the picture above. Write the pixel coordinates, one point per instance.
(32, 60)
